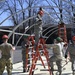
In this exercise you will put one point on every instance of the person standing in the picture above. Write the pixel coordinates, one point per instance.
(71, 51)
(24, 45)
(57, 55)
(38, 26)
(5, 59)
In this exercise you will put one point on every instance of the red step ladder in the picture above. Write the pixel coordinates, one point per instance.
(30, 47)
(62, 32)
(41, 45)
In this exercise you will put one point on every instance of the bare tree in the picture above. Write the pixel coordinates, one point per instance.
(2, 2)
(13, 6)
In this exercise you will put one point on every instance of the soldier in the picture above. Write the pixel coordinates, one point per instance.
(5, 59)
(38, 26)
(57, 55)
(24, 45)
(71, 51)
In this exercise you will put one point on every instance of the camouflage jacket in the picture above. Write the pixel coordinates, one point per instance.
(5, 50)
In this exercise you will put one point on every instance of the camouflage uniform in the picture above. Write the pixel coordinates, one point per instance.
(71, 50)
(24, 43)
(57, 57)
(5, 59)
(57, 54)
(38, 29)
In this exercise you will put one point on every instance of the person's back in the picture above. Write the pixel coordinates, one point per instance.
(57, 55)
(5, 50)
(24, 46)
(5, 59)
(57, 51)
(71, 51)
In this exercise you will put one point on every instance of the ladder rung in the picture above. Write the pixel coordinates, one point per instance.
(38, 64)
(35, 69)
(30, 47)
(41, 50)
(31, 40)
(29, 64)
(62, 28)
(31, 53)
(39, 44)
(30, 58)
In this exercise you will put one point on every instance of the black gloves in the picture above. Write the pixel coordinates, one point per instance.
(65, 56)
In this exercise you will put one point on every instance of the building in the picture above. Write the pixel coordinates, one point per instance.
(50, 30)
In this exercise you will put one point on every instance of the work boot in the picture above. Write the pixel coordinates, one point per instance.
(1, 73)
(28, 68)
(59, 73)
(9, 71)
(73, 72)
(52, 69)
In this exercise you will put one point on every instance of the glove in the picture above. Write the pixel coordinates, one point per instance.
(65, 56)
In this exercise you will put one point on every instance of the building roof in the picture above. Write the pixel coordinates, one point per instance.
(6, 27)
(67, 25)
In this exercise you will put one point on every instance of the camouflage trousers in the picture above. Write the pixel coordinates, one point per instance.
(38, 32)
(58, 63)
(6, 63)
(24, 57)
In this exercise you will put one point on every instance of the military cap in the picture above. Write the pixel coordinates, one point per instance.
(59, 39)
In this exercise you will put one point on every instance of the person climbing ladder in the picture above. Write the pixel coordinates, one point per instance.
(38, 26)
